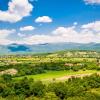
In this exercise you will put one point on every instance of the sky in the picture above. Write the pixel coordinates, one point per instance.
(49, 21)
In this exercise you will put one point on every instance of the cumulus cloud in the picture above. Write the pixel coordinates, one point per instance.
(95, 26)
(17, 9)
(85, 34)
(4, 34)
(27, 28)
(92, 1)
(43, 19)
(88, 33)
(72, 35)
(64, 31)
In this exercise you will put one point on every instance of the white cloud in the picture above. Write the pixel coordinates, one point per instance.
(64, 31)
(4, 34)
(72, 35)
(17, 9)
(68, 34)
(95, 26)
(27, 28)
(20, 35)
(92, 1)
(85, 34)
(43, 19)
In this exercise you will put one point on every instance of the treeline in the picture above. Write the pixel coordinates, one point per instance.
(32, 69)
(28, 89)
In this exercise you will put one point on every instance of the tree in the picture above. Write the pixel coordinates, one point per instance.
(7, 77)
(38, 88)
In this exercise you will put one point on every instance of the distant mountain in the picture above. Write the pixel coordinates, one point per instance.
(47, 47)
(18, 48)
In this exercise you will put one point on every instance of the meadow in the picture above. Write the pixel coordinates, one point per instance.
(58, 75)
(63, 75)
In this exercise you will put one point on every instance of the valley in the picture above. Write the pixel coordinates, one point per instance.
(60, 69)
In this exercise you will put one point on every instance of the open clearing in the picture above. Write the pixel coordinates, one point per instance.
(59, 75)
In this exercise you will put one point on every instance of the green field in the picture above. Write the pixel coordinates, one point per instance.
(56, 74)
(53, 76)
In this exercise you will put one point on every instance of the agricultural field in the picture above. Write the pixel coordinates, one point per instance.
(63, 75)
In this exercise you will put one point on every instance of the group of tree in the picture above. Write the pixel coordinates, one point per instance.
(33, 69)
(28, 89)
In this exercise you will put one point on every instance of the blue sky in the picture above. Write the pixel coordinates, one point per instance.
(49, 21)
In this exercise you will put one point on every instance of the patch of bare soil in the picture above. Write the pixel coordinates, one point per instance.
(72, 76)
(9, 71)
(69, 76)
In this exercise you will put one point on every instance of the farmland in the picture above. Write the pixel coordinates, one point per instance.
(50, 76)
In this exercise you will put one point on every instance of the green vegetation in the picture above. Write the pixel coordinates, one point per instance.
(67, 75)
(28, 89)
(50, 75)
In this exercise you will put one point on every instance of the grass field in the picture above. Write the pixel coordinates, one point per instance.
(56, 74)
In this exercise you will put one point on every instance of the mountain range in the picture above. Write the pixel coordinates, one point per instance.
(46, 47)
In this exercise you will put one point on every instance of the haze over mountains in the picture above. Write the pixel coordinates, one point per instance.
(47, 47)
